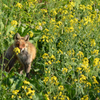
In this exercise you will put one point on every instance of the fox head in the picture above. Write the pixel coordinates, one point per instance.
(21, 42)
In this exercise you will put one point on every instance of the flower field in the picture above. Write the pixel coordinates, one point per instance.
(66, 34)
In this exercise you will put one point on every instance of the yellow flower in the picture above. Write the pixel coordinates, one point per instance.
(31, 34)
(55, 97)
(53, 57)
(52, 21)
(96, 62)
(85, 97)
(43, 22)
(19, 5)
(45, 56)
(59, 23)
(79, 69)
(88, 84)
(30, 86)
(33, 92)
(12, 32)
(46, 63)
(16, 50)
(95, 52)
(67, 98)
(46, 79)
(44, 10)
(49, 62)
(19, 97)
(64, 70)
(75, 80)
(71, 29)
(54, 80)
(47, 97)
(15, 92)
(26, 82)
(53, 12)
(94, 80)
(85, 61)
(82, 7)
(60, 94)
(60, 51)
(14, 23)
(89, 7)
(82, 78)
(71, 52)
(61, 87)
(24, 87)
(12, 96)
(74, 35)
(80, 54)
(30, 97)
(31, 4)
(93, 43)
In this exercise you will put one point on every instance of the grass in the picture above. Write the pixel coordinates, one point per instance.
(66, 36)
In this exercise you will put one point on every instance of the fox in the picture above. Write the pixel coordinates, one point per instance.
(25, 57)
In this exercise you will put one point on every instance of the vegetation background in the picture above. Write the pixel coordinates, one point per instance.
(66, 34)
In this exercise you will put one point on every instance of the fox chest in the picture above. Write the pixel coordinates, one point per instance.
(24, 58)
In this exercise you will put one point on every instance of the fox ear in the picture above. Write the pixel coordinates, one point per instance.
(17, 36)
(26, 38)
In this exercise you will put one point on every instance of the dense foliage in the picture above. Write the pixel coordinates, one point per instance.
(66, 36)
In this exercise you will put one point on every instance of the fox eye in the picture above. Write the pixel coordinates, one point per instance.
(23, 45)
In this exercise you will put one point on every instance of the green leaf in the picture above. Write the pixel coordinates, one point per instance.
(9, 28)
(11, 80)
(1, 25)
(77, 3)
(21, 29)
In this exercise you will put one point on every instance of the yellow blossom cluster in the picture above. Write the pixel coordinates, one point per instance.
(95, 52)
(26, 82)
(26, 89)
(82, 78)
(71, 52)
(30, 34)
(16, 50)
(64, 70)
(80, 54)
(49, 59)
(14, 23)
(93, 43)
(52, 80)
(95, 80)
(19, 5)
(15, 92)
(61, 87)
(46, 79)
(96, 62)
(86, 97)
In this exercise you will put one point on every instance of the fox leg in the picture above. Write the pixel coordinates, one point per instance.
(27, 69)
(25, 66)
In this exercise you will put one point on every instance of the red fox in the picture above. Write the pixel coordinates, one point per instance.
(25, 57)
